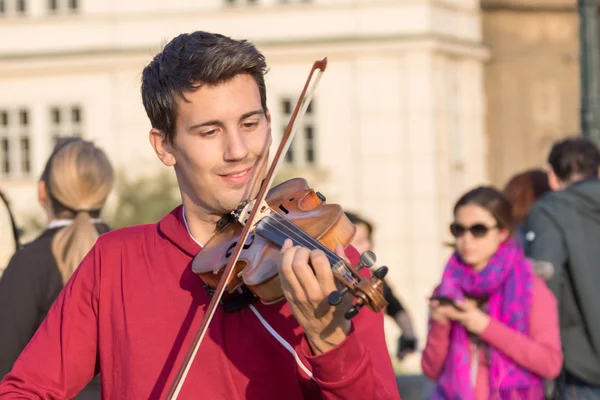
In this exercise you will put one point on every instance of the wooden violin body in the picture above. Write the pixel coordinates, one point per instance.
(257, 264)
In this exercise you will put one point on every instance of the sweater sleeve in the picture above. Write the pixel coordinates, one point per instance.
(546, 244)
(360, 367)
(540, 352)
(394, 306)
(61, 357)
(19, 299)
(436, 350)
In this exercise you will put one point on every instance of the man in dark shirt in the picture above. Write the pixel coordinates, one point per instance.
(363, 241)
(563, 228)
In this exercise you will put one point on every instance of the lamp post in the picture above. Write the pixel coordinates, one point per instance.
(589, 69)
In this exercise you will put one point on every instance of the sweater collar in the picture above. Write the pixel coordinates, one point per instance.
(174, 227)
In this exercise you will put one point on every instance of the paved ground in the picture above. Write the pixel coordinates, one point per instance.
(414, 387)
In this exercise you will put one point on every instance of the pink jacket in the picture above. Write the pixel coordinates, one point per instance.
(540, 352)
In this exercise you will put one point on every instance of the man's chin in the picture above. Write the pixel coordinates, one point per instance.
(231, 202)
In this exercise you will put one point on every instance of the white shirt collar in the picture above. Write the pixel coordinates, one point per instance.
(188, 228)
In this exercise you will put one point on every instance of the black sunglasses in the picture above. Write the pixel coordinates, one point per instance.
(477, 230)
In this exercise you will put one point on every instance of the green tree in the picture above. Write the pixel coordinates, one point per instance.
(143, 200)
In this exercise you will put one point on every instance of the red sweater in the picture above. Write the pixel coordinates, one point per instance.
(130, 312)
(540, 352)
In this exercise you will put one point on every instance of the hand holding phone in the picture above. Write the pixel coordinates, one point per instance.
(439, 311)
(470, 315)
(446, 301)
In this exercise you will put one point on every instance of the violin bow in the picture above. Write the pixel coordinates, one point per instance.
(299, 111)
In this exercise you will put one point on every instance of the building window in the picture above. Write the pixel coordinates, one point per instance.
(5, 153)
(13, 8)
(15, 143)
(236, 2)
(302, 150)
(25, 155)
(65, 121)
(63, 6)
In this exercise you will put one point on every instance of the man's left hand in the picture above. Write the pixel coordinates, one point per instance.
(306, 291)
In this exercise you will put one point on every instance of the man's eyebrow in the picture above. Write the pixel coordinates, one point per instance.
(251, 113)
(217, 122)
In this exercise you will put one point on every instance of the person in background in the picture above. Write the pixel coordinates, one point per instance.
(363, 241)
(524, 190)
(73, 189)
(493, 329)
(563, 229)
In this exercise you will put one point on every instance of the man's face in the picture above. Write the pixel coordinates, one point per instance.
(220, 150)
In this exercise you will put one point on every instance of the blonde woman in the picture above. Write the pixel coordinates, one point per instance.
(76, 181)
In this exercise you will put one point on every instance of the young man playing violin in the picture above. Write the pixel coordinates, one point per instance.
(132, 308)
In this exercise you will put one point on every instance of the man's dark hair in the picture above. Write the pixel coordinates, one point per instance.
(190, 61)
(574, 156)
(356, 219)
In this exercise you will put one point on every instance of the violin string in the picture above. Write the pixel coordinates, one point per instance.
(292, 228)
(338, 266)
(306, 240)
(333, 257)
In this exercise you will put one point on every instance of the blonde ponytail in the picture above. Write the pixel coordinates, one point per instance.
(80, 178)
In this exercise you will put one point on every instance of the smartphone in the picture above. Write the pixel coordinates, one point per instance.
(446, 301)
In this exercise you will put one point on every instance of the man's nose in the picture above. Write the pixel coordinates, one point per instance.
(236, 146)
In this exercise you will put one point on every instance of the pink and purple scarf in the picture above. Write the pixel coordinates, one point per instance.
(507, 285)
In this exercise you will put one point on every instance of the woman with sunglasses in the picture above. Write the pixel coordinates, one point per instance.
(493, 329)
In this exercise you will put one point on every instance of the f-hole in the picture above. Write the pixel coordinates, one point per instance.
(282, 208)
(246, 246)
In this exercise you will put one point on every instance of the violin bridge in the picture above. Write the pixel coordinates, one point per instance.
(246, 209)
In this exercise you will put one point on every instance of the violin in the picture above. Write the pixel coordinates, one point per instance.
(291, 210)
(242, 255)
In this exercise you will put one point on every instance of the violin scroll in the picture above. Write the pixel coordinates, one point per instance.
(375, 296)
(367, 259)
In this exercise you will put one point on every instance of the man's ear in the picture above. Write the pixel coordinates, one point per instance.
(42, 194)
(162, 147)
(553, 181)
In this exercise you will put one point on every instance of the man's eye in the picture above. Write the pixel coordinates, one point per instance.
(250, 125)
(208, 133)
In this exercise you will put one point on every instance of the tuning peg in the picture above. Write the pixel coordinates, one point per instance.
(381, 272)
(335, 297)
(353, 311)
(367, 259)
